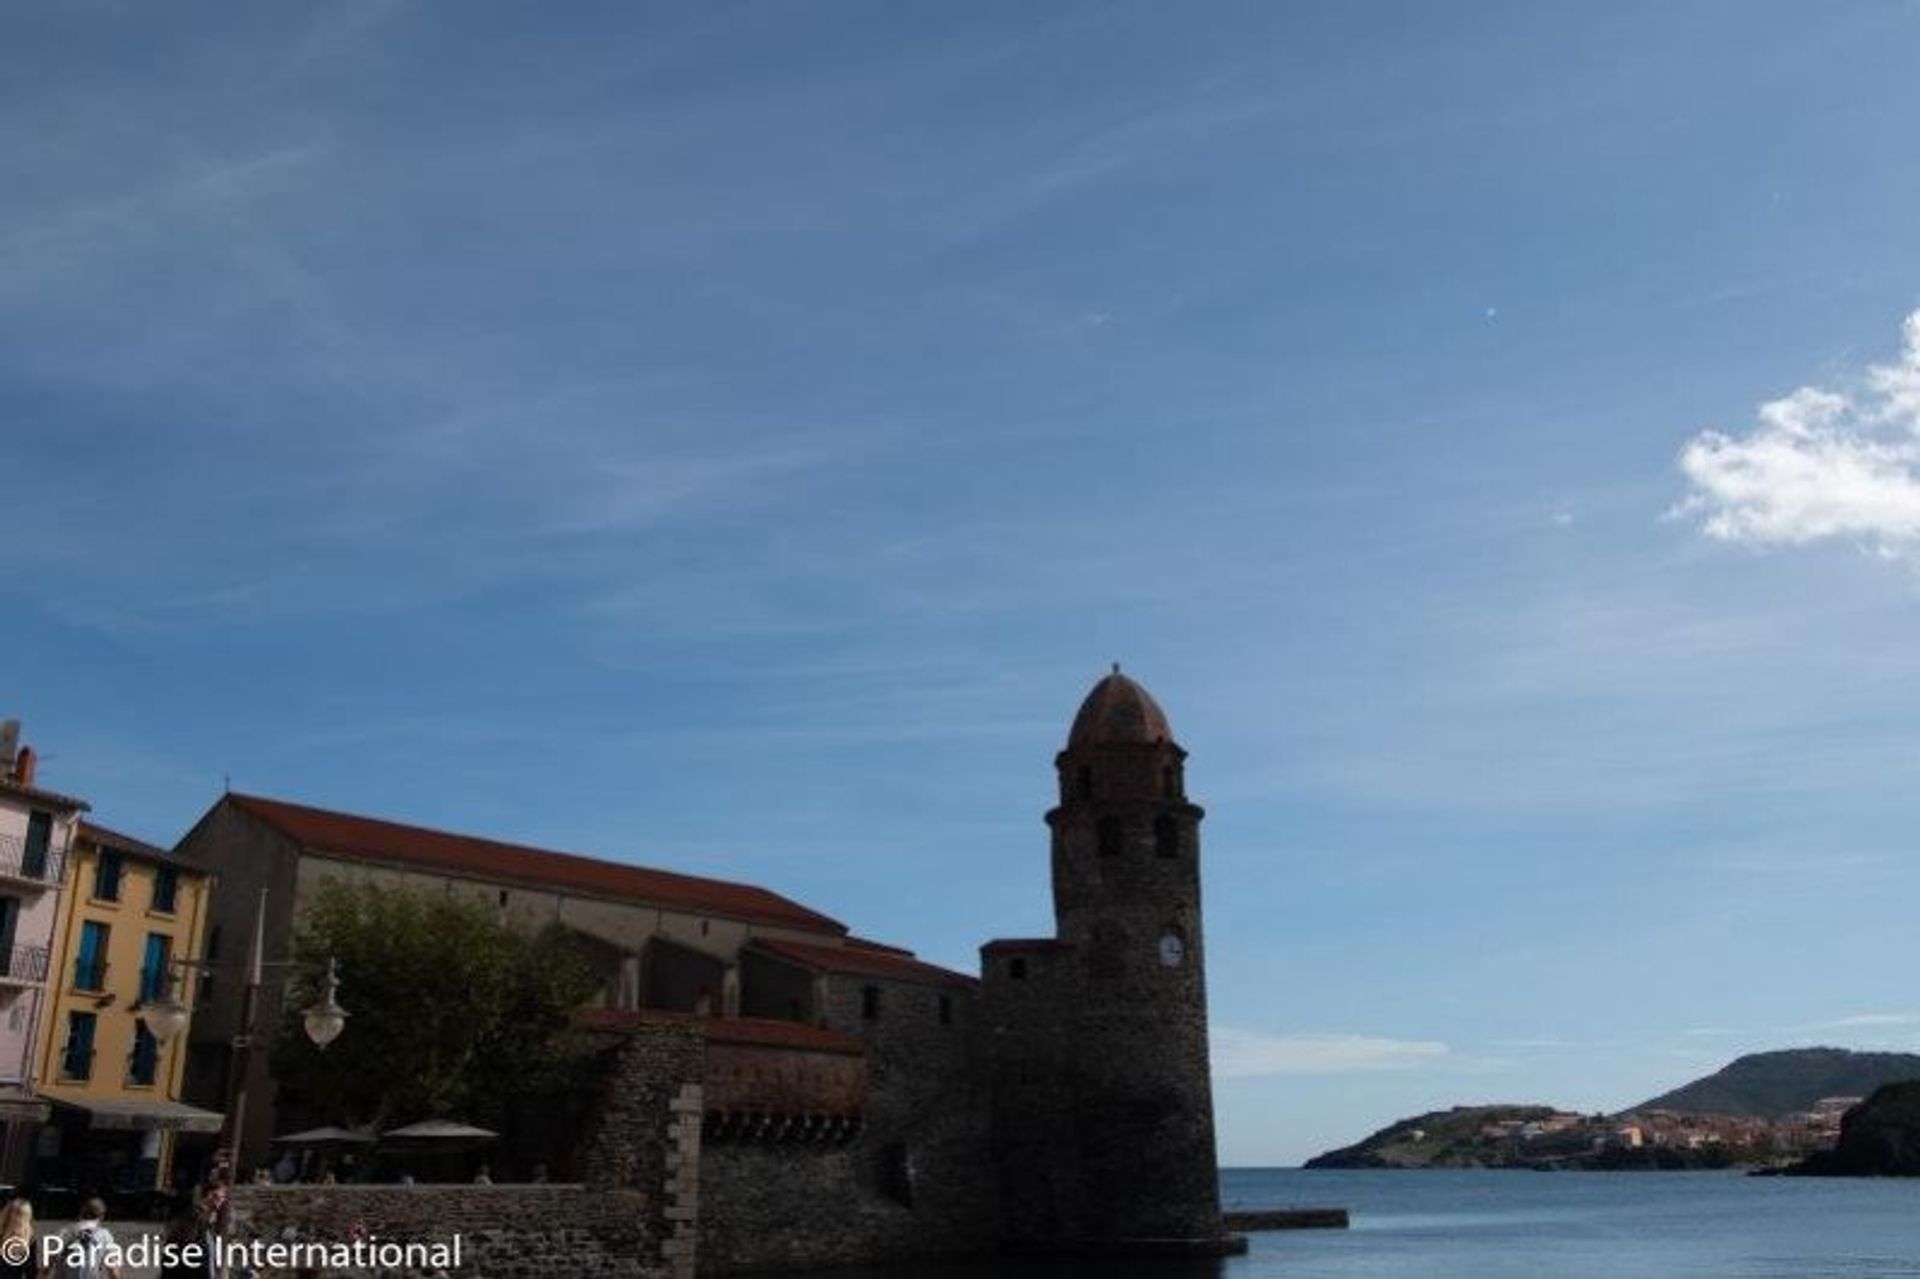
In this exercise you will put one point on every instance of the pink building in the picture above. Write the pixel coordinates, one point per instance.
(36, 829)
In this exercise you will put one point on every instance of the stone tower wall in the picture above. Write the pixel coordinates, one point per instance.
(1127, 875)
(1028, 1046)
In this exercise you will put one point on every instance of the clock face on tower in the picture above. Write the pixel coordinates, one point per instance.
(1172, 949)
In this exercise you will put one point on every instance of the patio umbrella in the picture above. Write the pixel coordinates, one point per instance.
(328, 1136)
(440, 1132)
(438, 1149)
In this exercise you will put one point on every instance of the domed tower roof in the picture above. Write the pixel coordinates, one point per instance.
(1118, 712)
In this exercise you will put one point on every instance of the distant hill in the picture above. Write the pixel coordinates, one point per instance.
(1776, 1084)
(1439, 1139)
(1538, 1137)
(1730, 1118)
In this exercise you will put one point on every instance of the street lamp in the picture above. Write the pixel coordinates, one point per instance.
(167, 1017)
(326, 1019)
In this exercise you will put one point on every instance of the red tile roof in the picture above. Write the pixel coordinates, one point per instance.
(370, 839)
(862, 961)
(867, 943)
(761, 1032)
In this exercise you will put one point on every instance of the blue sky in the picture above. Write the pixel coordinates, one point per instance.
(733, 438)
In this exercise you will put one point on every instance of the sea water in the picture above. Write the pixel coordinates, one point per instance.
(1532, 1225)
(1584, 1225)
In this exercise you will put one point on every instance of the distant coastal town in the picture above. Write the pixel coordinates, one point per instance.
(1765, 1111)
(1544, 1138)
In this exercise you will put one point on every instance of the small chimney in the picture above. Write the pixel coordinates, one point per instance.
(9, 744)
(23, 767)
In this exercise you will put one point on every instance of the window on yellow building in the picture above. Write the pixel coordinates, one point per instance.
(90, 965)
(76, 1059)
(154, 967)
(166, 887)
(144, 1062)
(106, 876)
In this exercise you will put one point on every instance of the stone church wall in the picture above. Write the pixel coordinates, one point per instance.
(916, 1180)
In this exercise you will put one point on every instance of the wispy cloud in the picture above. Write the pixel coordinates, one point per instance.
(1849, 1022)
(1551, 1044)
(1250, 1054)
(1822, 464)
(1863, 1021)
(66, 245)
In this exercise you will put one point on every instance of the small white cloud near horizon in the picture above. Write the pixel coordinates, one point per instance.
(1852, 1021)
(1863, 1021)
(1252, 1054)
(1553, 1045)
(1822, 464)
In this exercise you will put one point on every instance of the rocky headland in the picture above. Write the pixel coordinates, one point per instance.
(1878, 1138)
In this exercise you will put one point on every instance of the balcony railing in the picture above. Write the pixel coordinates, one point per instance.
(23, 964)
(35, 863)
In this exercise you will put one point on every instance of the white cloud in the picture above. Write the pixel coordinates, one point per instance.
(1249, 1054)
(1553, 1045)
(1863, 1021)
(1821, 464)
(1851, 1022)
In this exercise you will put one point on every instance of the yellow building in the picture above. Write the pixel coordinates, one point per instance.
(129, 914)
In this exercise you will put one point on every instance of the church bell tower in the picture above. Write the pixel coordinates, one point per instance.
(1126, 892)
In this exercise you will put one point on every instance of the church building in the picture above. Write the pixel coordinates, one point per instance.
(854, 1103)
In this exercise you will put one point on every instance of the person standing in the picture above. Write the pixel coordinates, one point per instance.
(17, 1259)
(190, 1242)
(87, 1250)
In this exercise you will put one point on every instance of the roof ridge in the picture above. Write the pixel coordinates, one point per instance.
(444, 833)
(286, 815)
(121, 839)
(861, 959)
(72, 803)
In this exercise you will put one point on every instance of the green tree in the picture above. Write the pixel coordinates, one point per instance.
(451, 1011)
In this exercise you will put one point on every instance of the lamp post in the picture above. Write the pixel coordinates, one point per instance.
(323, 1022)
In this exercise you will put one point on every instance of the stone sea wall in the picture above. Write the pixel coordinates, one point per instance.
(507, 1232)
(635, 1217)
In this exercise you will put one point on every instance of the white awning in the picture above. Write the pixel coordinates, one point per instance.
(126, 1114)
(17, 1105)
